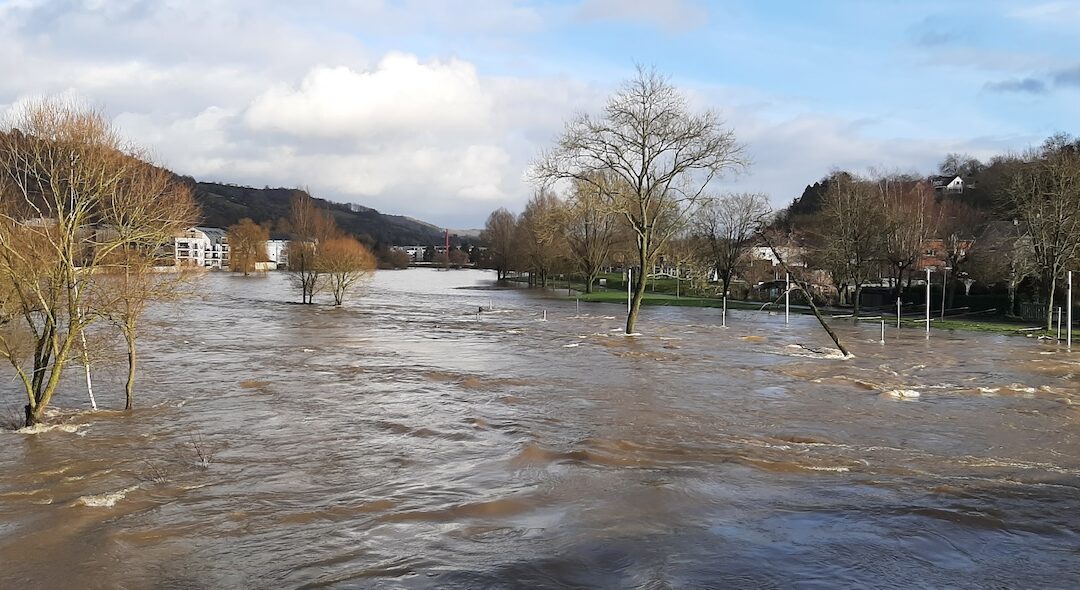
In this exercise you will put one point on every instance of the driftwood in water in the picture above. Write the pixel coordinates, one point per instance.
(809, 297)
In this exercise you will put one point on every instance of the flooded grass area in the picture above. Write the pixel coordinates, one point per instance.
(406, 441)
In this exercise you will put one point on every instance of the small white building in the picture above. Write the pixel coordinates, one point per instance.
(202, 247)
(277, 252)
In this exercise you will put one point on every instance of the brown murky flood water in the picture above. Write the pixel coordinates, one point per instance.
(401, 443)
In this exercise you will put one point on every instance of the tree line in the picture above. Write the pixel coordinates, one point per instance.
(630, 189)
(86, 223)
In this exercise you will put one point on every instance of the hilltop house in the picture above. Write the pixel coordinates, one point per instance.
(951, 184)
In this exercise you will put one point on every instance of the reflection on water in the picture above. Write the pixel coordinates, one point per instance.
(403, 441)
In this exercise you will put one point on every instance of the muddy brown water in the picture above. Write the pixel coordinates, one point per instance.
(400, 442)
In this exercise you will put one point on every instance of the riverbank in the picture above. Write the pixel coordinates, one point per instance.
(667, 292)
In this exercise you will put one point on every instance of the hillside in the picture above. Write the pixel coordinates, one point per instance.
(225, 204)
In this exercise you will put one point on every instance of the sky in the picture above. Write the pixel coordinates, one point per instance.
(435, 109)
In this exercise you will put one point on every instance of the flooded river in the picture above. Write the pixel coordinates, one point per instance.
(403, 442)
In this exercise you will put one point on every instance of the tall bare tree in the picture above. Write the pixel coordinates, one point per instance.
(590, 230)
(851, 232)
(726, 227)
(541, 242)
(310, 226)
(910, 218)
(499, 235)
(663, 156)
(1043, 191)
(70, 203)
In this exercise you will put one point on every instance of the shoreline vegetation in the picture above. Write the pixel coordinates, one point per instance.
(665, 292)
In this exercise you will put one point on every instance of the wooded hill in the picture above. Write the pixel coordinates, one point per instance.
(225, 204)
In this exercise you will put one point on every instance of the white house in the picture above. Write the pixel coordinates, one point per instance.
(277, 251)
(202, 247)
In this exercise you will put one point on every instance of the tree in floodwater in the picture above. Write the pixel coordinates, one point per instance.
(346, 263)
(66, 212)
(310, 226)
(662, 155)
(247, 245)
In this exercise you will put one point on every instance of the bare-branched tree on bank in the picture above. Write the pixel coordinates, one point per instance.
(590, 230)
(851, 239)
(726, 226)
(71, 206)
(1043, 191)
(247, 245)
(662, 155)
(499, 235)
(910, 219)
(346, 264)
(540, 243)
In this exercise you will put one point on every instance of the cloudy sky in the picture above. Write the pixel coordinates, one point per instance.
(434, 109)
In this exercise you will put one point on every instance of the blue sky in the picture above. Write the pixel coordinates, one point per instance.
(435, 109)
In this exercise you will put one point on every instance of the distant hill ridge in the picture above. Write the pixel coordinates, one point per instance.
(225, 204)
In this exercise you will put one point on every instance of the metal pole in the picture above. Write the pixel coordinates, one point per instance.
(629, 279)
(723, 316)
(944, 282)
(1059, 324)
(897, 313)
(928, 303)
(882, 332)
(787, 298)
(1068, 316)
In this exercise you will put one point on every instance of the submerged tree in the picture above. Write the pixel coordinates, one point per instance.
(499, 234)
(345, 263)
(71, 204)
(310, 226)
(662, 155)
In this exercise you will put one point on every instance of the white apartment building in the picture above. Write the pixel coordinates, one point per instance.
(202, 247)
(277, 252)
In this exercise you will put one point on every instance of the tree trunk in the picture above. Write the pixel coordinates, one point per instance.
(1050, 305)
(639, 293)
(1012, 300)
(855, 303)
(129, 386)
(590, 280)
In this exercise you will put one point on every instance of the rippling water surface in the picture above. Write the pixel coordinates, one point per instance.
(401, 442)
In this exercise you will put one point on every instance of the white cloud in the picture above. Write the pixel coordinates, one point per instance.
(671, 16)
(400, 97)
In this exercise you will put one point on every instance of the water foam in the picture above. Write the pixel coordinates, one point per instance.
(107, 500)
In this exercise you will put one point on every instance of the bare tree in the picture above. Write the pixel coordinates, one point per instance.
(499, 235)
(70, 202)
(310, 226)
(346, 263)
(540, 240)
(852, 238)
(662, 155)
(590, 230)
(247, 245)
(1044, 193)
(726, 227)
(910, 218)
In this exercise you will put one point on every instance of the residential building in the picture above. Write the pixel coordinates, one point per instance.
(277, 252)
(202, 247)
